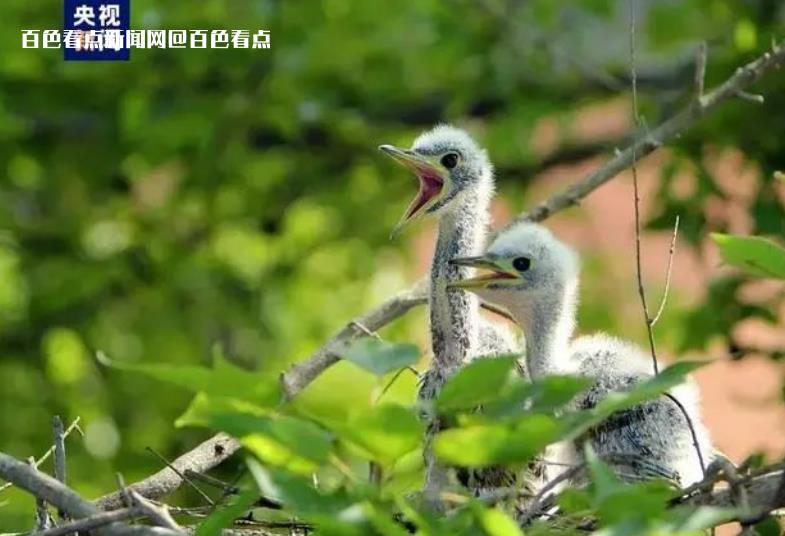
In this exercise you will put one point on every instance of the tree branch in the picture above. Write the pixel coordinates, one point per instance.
(301, 374)
(45, 487)
(204, 457)
(647, 142)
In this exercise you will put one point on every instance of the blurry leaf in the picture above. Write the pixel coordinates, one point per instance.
(490, 444)
(745, 35)
(554, 392)
(780, 176)
(754, 254)
(383, 433)
(296, 492)
(381, 357)
(203, 408)
(225, 380)
(478, 382)
(224, 516)
(495, 522)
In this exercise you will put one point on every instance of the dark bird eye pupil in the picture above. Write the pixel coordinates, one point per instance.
(450, 160)
(521, 264)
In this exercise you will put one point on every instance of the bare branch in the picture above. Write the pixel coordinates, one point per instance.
(50, 490)
(182, 476)
(647, 142)
(90, 523)
(201, 459)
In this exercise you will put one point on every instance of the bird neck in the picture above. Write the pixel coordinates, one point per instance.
(455, 313)
(548, 323)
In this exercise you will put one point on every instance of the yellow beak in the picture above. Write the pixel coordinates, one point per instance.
(497, 273)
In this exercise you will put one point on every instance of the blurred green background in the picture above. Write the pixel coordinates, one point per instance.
(154, 208)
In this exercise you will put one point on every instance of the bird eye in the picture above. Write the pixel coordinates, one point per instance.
(450, 160)
(521, 263)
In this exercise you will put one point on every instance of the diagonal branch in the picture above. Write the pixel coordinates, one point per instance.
(204, 457)
(647, 142)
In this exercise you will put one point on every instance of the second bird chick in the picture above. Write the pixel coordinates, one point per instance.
(536, 277)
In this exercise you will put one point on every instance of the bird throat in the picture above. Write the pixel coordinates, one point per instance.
(548, 324)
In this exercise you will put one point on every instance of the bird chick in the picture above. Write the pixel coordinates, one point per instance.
(455, 178)
(536, 277)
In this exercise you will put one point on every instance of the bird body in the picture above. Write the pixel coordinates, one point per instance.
(535, 277)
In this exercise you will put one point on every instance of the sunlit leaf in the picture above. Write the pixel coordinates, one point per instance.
(279, 440)
(478, 382)
(381, 357)
(754, 254)
(489, 444)
(383, 433)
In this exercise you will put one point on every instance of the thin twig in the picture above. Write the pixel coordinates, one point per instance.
(43, 520)
(60, 460)
(636, 193)
(536, 505)
(212, 481)
(393, 380)
(671, 254)
(639, 273)
(71, 427)
(182, 475)
(90, 523)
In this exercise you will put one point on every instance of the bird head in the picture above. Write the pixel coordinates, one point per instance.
(447, 163)
(525, 260)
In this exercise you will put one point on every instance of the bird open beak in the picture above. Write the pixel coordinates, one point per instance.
(496, 273)
(431, 179)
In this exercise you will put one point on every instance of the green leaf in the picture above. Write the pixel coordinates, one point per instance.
(382, 433)
(754, 254)
(225, 516)
(495, 522)
(491, 444)
(544, 396)
(617, 502)
(298, 445)
(297, 492)
(224, 380)
(381, 357)
(479, 382)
